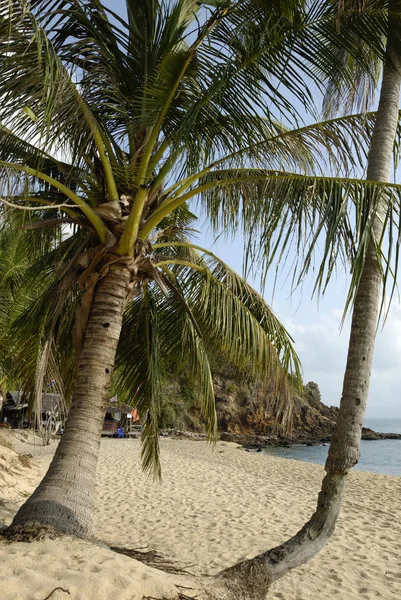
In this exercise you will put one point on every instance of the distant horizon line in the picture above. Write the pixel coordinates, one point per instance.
(392, 416)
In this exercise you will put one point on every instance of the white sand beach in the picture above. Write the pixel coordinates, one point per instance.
(213, 508)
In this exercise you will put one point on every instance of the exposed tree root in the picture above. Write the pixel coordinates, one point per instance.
(234, 589)
(240, 586)
(217, 589)
(30, 534)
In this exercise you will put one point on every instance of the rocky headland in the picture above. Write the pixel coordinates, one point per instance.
(247, 412)
(252, 423)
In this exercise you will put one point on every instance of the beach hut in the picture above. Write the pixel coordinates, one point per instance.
(117, 415)
(15, 410)
(16, 413)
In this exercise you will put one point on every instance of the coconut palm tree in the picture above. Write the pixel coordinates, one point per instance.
(108, 128)
(370, 273)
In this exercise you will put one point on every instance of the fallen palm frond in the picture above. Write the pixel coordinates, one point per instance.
(153, 559)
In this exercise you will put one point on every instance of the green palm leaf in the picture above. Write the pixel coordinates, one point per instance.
(206, 307)
(280, 212)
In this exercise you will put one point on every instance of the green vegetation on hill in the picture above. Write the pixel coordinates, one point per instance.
(244, 406)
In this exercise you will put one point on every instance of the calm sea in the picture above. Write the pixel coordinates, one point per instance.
(378, 456)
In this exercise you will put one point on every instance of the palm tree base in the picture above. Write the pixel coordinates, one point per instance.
(65, 499)
(33, 533)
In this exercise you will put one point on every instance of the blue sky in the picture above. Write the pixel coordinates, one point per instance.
(315, 326)
(322, 347)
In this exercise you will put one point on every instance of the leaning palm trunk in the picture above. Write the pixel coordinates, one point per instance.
(258, 573)
(64, 499)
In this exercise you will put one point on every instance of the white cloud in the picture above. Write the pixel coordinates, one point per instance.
(323, 350)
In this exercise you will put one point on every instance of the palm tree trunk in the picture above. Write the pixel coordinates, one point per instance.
(258, 573)
(64, 501)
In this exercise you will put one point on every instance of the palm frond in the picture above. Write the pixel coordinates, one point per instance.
(362, 23)
(281, 213)
(33, 77)
(38, 330)
(138, 370)
(199, 309)
(237, 322)
(198, 363)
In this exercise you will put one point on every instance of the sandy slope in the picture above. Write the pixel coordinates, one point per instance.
(19, 475)
(212, 509)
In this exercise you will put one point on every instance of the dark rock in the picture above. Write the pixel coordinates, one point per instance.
(245, 415)
(248, 440)
(178, 434)
(247, 412)
(369, 434)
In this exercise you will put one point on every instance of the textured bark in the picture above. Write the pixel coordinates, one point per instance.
(258, 573)
(64, 500)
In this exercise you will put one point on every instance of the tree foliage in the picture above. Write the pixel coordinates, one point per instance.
(110, 126)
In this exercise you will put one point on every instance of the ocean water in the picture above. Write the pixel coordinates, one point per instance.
(377, 456)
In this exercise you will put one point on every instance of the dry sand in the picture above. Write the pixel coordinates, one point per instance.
(213, 508)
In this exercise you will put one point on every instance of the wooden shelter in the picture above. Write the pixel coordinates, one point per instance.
(118, 415)
(15, 410)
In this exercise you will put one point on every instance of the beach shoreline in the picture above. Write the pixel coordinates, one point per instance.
(216, 506)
